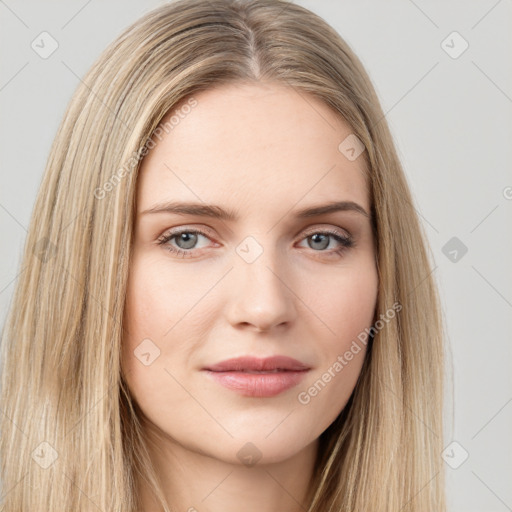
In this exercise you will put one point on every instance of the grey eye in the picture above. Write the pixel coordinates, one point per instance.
(319, 241)
(186, 240)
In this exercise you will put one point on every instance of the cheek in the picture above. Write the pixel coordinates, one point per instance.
(150, 312)
(160, 297)
(344, 306)
(145, 305)
(147, 319)
(344, 302)
(163, 314)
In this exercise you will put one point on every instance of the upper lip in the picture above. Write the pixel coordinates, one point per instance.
(250, 363)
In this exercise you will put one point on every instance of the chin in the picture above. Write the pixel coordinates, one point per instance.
(252, 450)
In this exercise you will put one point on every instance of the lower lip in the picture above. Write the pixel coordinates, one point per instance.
(258, 384)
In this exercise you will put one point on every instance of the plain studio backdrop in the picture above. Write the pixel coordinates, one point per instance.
(444, 77)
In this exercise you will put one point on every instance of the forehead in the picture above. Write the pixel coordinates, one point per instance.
(252, 144)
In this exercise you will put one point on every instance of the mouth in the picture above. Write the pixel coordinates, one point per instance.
(254, 377)
(277, 370)
(255, 364)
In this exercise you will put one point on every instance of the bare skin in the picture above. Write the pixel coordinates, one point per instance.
(264, 153)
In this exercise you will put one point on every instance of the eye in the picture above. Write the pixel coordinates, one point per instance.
(319, 241)
(185, 240)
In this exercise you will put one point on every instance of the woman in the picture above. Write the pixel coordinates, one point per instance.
(227, 298)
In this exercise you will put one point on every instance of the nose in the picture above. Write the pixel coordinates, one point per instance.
(261, 298)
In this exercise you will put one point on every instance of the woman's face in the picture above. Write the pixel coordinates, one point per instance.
(243, 274)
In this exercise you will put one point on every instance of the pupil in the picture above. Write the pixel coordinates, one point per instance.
(189, 240)
(317, 238)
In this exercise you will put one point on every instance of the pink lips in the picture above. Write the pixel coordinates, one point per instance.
(251, 376)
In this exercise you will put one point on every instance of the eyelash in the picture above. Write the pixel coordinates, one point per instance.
(346, 242)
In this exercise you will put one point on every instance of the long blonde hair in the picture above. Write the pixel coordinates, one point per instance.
(71, 436)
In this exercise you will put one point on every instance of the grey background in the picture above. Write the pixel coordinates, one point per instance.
(451, 119)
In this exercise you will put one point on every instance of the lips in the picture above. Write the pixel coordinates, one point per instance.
(254, 377)
(254, 364)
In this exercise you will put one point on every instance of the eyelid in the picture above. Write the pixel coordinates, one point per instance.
(304, 232)
(326, 229)
(202, 230)
(346, 242)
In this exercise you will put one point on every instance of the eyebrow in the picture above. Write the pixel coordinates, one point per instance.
(217, 212)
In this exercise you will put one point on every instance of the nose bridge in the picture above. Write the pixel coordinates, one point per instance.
(260, 296)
